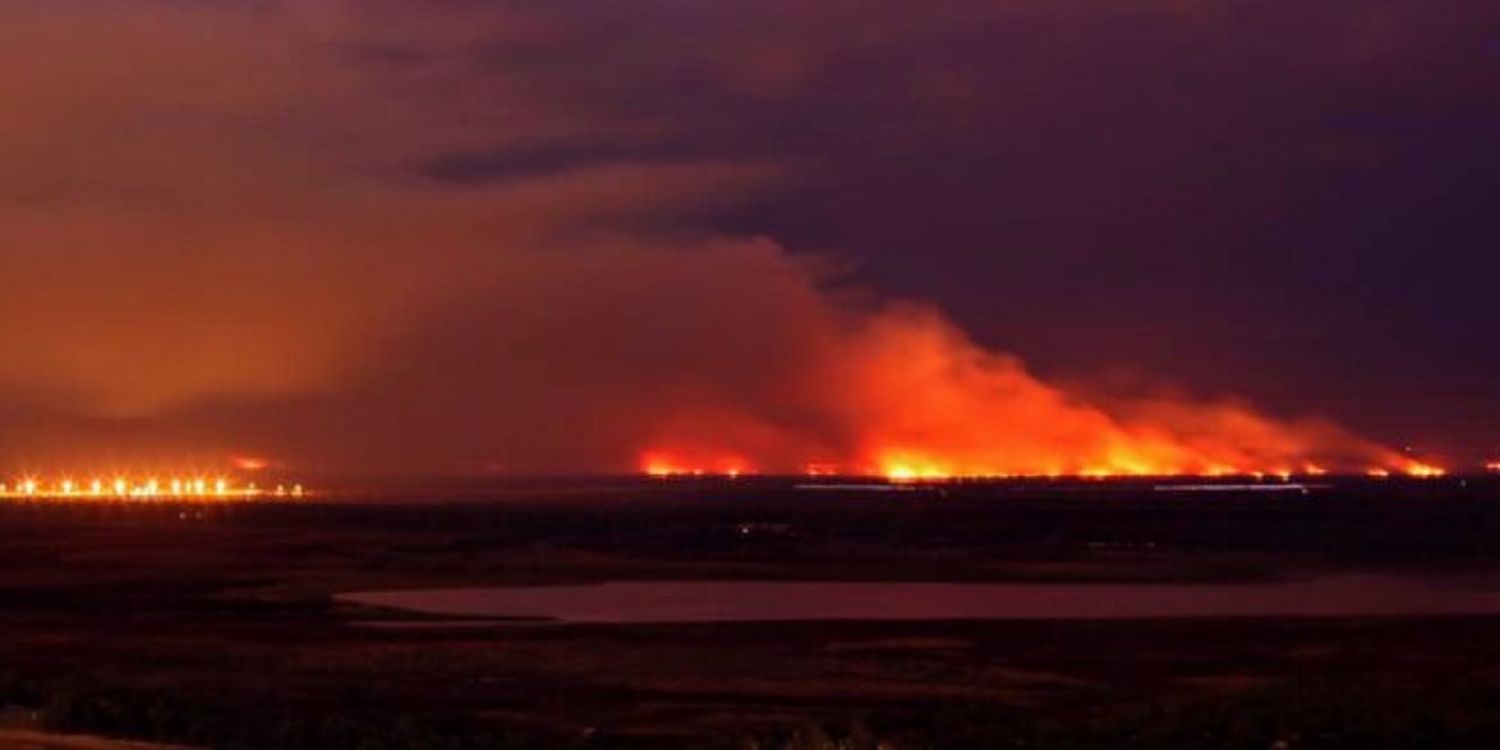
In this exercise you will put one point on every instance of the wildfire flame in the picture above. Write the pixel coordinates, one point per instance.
(1417, 469)
(660, 464)
(911, 398)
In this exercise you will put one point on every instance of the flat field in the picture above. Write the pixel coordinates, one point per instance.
(213, 625)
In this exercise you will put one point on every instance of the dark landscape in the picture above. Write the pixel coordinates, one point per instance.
(768, 375)
(213, 624)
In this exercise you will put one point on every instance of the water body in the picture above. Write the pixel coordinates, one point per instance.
(641, 602)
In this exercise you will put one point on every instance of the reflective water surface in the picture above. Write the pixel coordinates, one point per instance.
(625, 602)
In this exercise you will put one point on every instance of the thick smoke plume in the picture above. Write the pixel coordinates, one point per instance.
(409, 238)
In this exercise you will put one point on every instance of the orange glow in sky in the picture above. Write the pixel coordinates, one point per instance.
(249, 463)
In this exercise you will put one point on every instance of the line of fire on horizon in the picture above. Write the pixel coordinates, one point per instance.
(191, 488)
(662, 466)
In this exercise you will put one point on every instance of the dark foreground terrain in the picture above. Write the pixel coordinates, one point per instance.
(212, 625)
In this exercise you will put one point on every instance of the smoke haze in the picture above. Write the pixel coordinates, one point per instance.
(460, 237)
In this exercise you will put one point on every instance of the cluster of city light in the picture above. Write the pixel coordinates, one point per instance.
(1493, 466)
(142, 488)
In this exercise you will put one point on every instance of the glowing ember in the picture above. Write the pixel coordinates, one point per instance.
(1493, 466)
(136, 488)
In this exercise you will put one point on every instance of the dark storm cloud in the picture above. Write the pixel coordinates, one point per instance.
(509, 224)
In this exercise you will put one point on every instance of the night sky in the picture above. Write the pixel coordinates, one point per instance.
(406, 235)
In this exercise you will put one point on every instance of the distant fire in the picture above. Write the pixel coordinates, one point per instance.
(919, 472)
(906, 395)
(1424, 470)
(250, 463)
(658, 464)
(117, 487)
